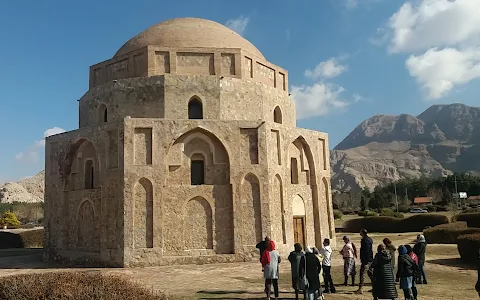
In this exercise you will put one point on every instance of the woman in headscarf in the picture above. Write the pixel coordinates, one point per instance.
(270, 261)
(349, 253)
(383, 279)
(416, 270)
(294, 259)
(405, 272)
(310, 267)
(420, 248)
(390, 247)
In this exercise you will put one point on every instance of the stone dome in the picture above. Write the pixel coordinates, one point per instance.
(189, 33)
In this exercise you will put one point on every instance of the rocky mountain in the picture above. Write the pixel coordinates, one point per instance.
(30, 189)
(441, 140)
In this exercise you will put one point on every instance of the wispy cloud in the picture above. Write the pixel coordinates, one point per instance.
(239, 25)
(326, 69)
(32, 155)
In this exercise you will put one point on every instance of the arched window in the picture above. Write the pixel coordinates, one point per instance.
(197, 171)
(277, 115)
(89, 174)
(294, 170)
(102, 114)
(195, 109)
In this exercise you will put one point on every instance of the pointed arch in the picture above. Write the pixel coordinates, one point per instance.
(278, 201)
(102, 116)
(251, 209)
(277, 115)
(143, 214)
(328, 202)
(198, 224)
(307, 167)
(78, 167)
(195, 108)
(87, 233)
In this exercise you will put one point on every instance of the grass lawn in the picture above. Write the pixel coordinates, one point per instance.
(448, 277)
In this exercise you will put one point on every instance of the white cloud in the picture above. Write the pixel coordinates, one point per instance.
(351, 4)
(31, 155)
(317, 99)
(443, 40)
(439, 71)
(238, 25)
(326, 69)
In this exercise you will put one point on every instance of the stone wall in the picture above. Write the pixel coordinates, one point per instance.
(155, 60)
(85, 221)
(168, 97)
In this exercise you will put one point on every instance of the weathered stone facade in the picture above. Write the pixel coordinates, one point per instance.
(186, 152)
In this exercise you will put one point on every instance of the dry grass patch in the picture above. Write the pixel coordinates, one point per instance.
(73, 286)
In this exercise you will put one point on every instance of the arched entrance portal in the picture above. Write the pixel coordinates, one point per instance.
(298, 211)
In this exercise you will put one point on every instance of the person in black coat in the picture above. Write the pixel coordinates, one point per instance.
(366, 257)
(262, 246)
(477, 286)
(383, 279)
(420, 249)
(405, 272)
(311, 267)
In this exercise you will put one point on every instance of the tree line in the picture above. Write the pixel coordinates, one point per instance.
(442, 190)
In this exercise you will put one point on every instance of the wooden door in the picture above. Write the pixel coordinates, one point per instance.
(299, 230)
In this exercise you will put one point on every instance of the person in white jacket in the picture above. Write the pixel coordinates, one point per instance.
(326, 253)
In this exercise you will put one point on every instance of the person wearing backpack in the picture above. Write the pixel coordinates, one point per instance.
(405, 272)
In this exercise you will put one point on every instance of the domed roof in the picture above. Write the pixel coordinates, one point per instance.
(189, 33)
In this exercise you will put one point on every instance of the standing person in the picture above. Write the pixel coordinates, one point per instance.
(310, 267)
(390, 247)
(294, 259)
(349, 253)
(416, 272)
(262, 246)
(326, 252)
(366, 257)
(383, 279)
(405, 272)
(270, 263)
(420, 249)
(477, 286)
(320, 275)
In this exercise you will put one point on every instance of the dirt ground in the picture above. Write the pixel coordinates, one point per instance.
(448, 278)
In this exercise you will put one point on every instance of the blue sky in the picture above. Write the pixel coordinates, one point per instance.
(347, 59)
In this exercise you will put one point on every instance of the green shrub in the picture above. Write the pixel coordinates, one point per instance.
(24, 239)
(386, 212)
(10, 220)
(468, 245)
(403, 208)
(73, 286)
(415, 223)
(472, 219)
(431, 207)
(398, 215)
(337, 215)
(448, 233)
(471, 210)
(367, 213)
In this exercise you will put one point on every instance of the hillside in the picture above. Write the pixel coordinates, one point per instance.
(441, 140)
(27, 190)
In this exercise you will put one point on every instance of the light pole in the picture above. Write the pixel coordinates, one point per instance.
(396, 196)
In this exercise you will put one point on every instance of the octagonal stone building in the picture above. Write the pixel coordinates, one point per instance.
(187, 152)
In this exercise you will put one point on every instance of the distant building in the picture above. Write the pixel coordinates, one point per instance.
(472, 200)
(422, 200)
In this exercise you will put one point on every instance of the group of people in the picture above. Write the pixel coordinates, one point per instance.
(309, 266)
(381, 267)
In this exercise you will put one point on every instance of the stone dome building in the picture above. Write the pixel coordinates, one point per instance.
(186, 152)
